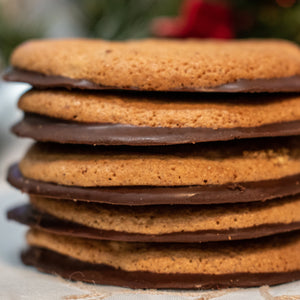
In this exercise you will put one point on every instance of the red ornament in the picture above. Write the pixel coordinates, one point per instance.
(197, 19)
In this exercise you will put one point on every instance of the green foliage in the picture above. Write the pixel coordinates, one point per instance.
(14, 32)
(123, 19)
(268, 19)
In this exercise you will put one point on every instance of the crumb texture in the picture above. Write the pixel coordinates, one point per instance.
(272, 254)
(160, 64)
(161, 110)
(168, 219)
(201, 164)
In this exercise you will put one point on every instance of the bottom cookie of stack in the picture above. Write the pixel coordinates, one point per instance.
(270, 260)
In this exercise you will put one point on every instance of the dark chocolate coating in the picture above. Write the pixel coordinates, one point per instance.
(146, 195)
(30, 216)
(285, 84)
(75, 270)
(47, 129)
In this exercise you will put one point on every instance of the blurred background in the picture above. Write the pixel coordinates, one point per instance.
(21, 20)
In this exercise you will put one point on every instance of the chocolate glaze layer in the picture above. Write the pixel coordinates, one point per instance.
(47, 129)
(285, 84)
(30, 216)
(76, 270)
(146, 195)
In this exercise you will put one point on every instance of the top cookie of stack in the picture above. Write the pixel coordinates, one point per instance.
(157, 65)
(158, 94)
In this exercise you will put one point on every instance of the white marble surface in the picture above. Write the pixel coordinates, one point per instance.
(20, 282)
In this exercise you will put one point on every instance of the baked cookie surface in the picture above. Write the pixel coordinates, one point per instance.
(72, 269)
(168, 219)
(155, 195)
(181, 224)
(200, 164)
(245, 65)
(275, 254)
(170, 110)
(272, 255)
(130, 118)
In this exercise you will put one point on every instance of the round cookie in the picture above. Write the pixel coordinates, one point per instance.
(200, 164)
(46, 129)
(186, 224)
(272, 260)
(67, 267)
(167, 219)
(163, 110)
(154, 119)
(160, 65)
(154, 195)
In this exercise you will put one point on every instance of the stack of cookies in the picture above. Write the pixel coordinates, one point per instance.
(159, 163)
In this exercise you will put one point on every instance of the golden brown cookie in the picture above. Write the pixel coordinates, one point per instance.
(163, 110)
(72, 269)
(164, 219)
(201, 164)
(147, 119)
(272, 255)
(158, 195)
(193, 65)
